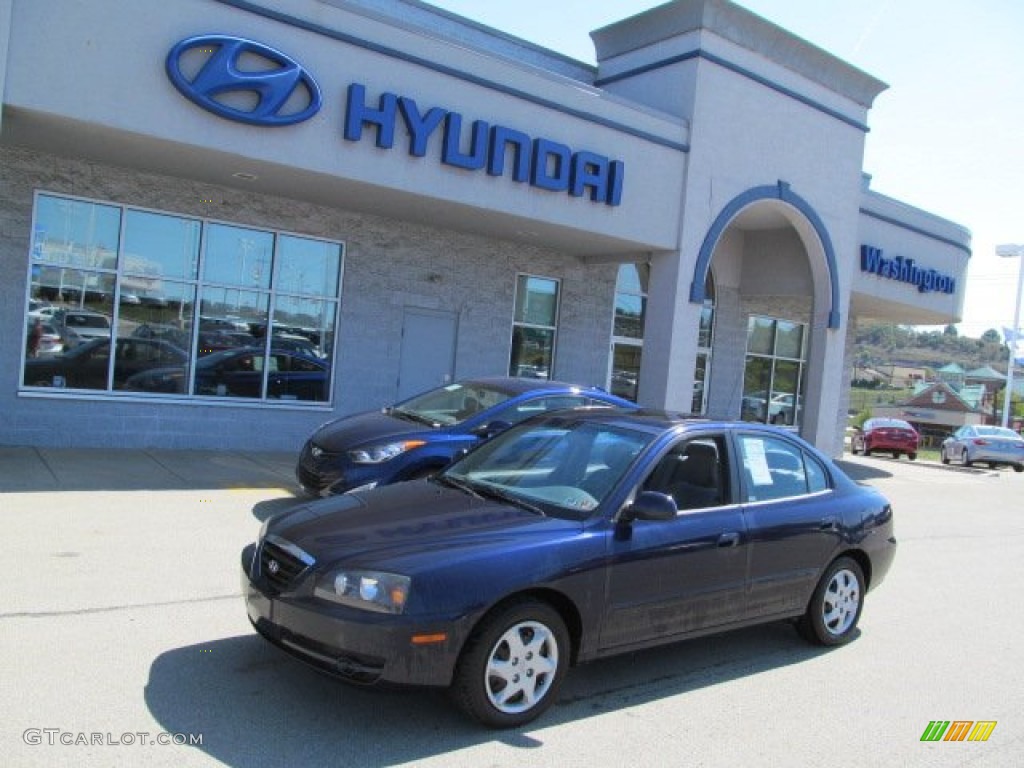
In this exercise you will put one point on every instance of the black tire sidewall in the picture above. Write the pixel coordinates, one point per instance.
(468, 687)
(812, 624)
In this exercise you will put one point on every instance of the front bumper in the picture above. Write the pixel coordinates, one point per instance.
(359, 647)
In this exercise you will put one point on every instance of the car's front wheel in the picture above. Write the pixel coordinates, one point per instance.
(943, 456)
(513, 664)
(965, 459)
(835, 606)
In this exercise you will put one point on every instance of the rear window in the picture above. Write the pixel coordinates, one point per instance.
(86, 321)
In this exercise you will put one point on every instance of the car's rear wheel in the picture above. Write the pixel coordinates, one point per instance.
(835, 607)
(965, 460)
(1018, 467)
(895, 454)
(912, 456)
(513, 664)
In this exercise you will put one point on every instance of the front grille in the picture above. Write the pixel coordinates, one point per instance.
(282, 563)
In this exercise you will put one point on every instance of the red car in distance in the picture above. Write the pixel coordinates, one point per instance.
(883, 435)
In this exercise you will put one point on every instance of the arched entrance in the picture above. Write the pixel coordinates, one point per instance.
(777, 299)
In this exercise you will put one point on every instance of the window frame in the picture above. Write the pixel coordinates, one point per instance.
(194, 290)
(522, 279)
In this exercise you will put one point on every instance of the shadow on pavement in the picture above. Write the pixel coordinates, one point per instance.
(255, 706)
(30, 469)
(859, 471)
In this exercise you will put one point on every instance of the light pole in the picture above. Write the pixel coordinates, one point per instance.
(1010, 251)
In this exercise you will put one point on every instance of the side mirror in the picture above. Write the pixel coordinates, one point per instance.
(491, 428)
(651, 505)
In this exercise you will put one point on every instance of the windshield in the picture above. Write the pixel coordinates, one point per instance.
(452, 404)
(562, 465)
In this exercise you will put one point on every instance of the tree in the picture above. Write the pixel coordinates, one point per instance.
(991, 336)
(950, 330)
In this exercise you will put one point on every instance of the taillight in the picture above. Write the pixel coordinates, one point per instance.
(979, 441)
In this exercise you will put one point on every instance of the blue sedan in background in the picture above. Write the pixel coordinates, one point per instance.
(419, 436)
(564, 539)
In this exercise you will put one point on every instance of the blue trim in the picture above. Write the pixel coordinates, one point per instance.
(699, 54)
(394, 53)
(917, 230)
(779, 191)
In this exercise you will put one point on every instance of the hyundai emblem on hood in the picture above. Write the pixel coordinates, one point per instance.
(222, 74)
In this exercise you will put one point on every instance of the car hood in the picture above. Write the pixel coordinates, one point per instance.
(407, 521)
(376, 426)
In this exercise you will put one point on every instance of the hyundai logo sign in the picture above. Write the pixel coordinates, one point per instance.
(243, 80)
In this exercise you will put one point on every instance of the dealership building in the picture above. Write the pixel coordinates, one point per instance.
(419, 199)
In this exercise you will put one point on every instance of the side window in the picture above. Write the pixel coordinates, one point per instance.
(817, 477)
(774, 468)
(694, 473)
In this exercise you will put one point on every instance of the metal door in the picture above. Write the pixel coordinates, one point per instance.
(428, 350)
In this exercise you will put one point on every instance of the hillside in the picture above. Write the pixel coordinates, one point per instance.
(889, 344)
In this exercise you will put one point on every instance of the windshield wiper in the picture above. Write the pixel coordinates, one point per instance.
(452, 482)
(502, 495)
(410, 416)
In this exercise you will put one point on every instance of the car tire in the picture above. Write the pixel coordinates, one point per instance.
(895, 454)
(513, 664)
(993, 465)
(912, 456)
(942, 456)
(835, 607)
(1018, 467)
(964, 460)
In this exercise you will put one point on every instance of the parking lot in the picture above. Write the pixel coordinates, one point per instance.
(121, 626)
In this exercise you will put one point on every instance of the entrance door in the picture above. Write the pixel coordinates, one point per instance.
(428, 350)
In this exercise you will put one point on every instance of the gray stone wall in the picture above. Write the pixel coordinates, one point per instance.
(389, 265)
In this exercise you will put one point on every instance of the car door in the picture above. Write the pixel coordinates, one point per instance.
(672, 577)
(792, 529)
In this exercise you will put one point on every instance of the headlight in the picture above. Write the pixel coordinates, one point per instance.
(369, 590)
(380, 453)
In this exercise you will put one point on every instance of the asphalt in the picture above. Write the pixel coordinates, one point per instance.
(29, 469)
(26, 469)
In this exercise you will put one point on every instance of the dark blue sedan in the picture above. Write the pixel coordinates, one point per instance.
(565, 539)
(421, 435)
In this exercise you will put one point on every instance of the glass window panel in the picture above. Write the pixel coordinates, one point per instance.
(774, 468)
(237, 256)
(307, 266)
(633, 278)
(789, 339)
(238, 371)
(536, 300)
(305, 325)
(784, 403)
(699, 378)
(629, 315)
(760, 336)
(757, 379)
(532, 352)
(707, 316)
(158, 246)
(626, 370)
(75, 233)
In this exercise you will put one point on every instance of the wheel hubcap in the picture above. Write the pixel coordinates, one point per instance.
(521, 667)
(841, 601)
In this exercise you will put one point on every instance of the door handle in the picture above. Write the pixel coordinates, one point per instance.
(728, 540)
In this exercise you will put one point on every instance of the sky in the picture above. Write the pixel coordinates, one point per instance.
(947, 136)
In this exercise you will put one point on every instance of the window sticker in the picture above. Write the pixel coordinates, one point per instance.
(755, 461)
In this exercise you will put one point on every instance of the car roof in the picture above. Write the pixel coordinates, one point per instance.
(514, 385)
(656, 421)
